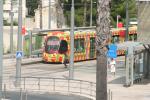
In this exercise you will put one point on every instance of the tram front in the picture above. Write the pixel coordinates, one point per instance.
(53, 51)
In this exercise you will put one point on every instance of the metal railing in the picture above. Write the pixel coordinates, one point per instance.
(60, 85)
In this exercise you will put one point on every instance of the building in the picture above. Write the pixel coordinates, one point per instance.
(7, 9)
(6, 29)
(57, 17)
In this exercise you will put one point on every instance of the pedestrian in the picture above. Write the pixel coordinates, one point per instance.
(112, 66)
(65, 59)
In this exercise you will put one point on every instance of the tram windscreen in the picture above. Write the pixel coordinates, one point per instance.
(52, 44)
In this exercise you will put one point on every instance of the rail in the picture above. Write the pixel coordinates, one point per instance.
(60, 85)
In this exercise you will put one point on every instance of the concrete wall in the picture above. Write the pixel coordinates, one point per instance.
(6, 38)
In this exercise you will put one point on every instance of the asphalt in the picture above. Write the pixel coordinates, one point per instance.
(87, 71)
(45, 96)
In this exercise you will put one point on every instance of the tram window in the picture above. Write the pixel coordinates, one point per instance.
(79, 45)
(63, 46)
(135, 37)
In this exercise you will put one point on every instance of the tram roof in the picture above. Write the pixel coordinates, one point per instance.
(43, 32)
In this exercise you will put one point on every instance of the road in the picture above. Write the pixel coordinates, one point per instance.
(46, 96)
(87, 71)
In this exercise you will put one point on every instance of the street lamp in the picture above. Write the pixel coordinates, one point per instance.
(127, 20)
(19, 44)
(91, 13)
(71, 67)
(49, 21)
(118, 17)
(11, 28)
(1, 47)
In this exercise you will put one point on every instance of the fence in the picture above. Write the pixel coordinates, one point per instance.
(57, 85)
(53, 85)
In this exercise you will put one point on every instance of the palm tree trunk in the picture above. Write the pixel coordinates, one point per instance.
(102, 39)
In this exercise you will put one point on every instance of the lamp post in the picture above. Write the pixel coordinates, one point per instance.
(127, 21)
(49, 19)
(19, 44)
(71, 67)
(1, 47)
(91, 13)
(11, 28)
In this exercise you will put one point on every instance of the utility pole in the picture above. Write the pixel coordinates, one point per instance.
(11, 28)
(117, 20)
(1, 48)
(127, 20)
(102, 40)
(49, 21)
(19, 44)
(40, 9)
(71, 67)
(91, 13)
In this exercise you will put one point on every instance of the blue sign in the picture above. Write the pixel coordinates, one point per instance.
(112, 52)
(19, 54)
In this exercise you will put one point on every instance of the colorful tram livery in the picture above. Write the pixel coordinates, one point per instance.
(118, 34)
(57, 43)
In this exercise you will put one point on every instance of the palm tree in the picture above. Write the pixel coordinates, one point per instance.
(103, 30)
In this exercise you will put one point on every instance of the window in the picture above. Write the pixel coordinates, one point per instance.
(79, 45)
(63, 46)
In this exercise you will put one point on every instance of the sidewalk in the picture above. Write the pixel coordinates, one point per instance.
(87, 71)
(140, 91)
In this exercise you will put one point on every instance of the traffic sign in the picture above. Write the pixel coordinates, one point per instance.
(19, 54)
(112, 52)
(23, 30)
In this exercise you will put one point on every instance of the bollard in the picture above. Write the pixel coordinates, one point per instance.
(39, 83)
(80, 87)
(26, 95)
(54, 85)
(4, 91)
(68, 86)
(24, 83)
(91, 88)
(111, 95)
(20, 93)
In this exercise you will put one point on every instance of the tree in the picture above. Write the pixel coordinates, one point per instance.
(102, 39)
(32, 5)
(85, 11)
(118, 7)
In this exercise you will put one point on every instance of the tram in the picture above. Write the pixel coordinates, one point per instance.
(57, 43)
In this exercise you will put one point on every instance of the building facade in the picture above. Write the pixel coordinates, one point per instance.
(7, 9)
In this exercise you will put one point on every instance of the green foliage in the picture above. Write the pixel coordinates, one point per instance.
(79, 12)
(32, 5)
(15, 23)
(118, 7)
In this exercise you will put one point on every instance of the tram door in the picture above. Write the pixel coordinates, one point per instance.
(92, 47)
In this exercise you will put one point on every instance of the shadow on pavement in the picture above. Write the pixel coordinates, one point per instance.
(45, 96)
(120, 80)
(143, 82)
